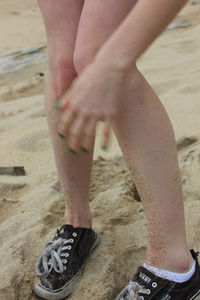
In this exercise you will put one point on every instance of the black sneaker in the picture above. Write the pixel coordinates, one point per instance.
(61, 264)
(145, 285)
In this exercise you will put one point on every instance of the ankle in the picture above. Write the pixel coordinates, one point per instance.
(179, 262)
(79, 220)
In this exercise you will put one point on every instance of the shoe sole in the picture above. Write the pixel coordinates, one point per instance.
(68, 288)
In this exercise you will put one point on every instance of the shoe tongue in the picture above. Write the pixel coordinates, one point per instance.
(143, 276)
(65, 230)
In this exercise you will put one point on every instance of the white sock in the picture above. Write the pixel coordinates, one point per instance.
(177, 277)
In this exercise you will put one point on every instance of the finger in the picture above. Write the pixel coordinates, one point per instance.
(63, 102)
(106, 134)
(88, 136)
(76, 131)
(65, 122)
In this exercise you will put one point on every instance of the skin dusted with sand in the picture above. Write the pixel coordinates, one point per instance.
(149, 149)
(171, 67)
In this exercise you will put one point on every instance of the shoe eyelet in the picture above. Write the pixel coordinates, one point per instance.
(154, 284)
(74, 234)
(64, 254)
(71, 240)
(68, 247)
(64, 261)
(64, 268)
(148, 291)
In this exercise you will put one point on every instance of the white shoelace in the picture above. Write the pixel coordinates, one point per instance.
(131, 291)
(53, 258)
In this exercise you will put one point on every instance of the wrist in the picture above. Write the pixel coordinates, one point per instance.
(118, 67)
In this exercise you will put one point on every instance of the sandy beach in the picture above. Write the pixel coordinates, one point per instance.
(32, 205)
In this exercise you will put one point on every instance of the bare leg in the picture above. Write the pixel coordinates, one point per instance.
(146, 138)
(61, 20)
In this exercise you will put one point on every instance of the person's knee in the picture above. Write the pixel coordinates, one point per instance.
(83, 57)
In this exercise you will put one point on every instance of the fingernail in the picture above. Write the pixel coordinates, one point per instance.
(57, 104)
(84, 150)
(72, 151)
(104, 148)
(62, 136)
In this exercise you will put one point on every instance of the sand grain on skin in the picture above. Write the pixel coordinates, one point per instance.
(32, 206)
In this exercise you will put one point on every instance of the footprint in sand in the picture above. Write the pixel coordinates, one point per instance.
(54, 216)
(193, 89)
(165, 87)
(8, 208)
(8, 203)
(38, 112)
(189, 152)
(35, 141)
(185, 142)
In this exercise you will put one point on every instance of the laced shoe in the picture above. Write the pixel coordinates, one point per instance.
(145, 285)
(61, 265)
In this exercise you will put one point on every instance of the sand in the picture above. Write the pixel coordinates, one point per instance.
(32, 206)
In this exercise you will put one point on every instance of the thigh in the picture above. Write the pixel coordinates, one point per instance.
(61, 19)
(99, 19)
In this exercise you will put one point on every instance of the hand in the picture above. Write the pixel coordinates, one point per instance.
(93, 96)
